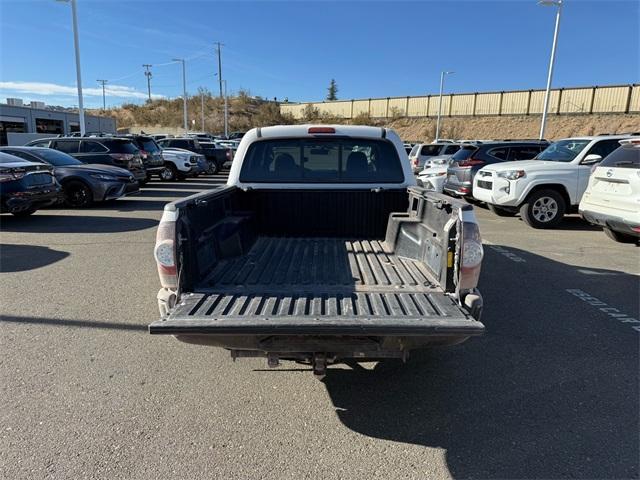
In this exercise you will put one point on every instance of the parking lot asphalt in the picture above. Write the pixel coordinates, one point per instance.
(550, 391)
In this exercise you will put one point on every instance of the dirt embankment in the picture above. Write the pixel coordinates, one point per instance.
(558, 126)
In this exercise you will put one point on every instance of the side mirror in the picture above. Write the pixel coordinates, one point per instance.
(591, 159)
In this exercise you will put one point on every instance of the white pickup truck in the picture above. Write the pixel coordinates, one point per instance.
(542, 190)
(321, 248)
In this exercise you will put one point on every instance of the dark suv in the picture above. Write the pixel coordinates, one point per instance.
(464, 164)
(216, 156)
(150, 152)
(119, 152)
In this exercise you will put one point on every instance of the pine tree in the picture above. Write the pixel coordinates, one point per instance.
(333, 90)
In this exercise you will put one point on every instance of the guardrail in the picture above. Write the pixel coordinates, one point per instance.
(579, 100)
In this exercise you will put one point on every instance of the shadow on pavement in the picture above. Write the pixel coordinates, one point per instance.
(550, 391)
(43, 223)
(20, 258)
(57, 322)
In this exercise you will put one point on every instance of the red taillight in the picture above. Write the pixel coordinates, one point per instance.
(144, 154)
(416, 162)
(164, 250)
(464, 189)
(636, 229)
(121, 157)
(470, 162)
(321, 130)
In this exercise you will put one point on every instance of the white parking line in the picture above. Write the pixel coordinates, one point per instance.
(503, 251)
(605, 308)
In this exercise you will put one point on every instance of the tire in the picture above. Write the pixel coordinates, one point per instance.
(543, 209)
(620, 237)
(77, 194)
(169, 173)
(24, 213)
(213, 168)
(501, 212)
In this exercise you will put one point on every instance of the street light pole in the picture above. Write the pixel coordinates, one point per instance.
(442, 74)
(104, 102)
(76, 45)
(547, 3)
(184, 93)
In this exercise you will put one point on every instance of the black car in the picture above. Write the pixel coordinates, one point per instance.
(150, 152)
(26, 186)
(465, 163)
(82, 184)
(216, 156)
(119, 152)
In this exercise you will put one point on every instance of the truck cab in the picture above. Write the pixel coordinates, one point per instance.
(320, 249)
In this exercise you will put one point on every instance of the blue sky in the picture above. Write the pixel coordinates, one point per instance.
(292, 49)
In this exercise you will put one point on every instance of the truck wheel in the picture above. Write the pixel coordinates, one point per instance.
(169, 173)
(620, 237)
(213, 168)
(501, 212)
(543, 209)
(77, 194)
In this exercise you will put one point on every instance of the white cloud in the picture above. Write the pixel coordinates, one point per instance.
(46, 89)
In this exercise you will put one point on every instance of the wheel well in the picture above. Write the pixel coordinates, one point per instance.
(67, 181)
(561, 189)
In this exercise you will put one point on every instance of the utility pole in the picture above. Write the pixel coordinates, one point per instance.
(148, 74)
(184, 93)
(219, 50)
(202, 108)
(104, 102)
(226, 112)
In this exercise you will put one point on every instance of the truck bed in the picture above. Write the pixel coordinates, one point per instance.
(317, 286)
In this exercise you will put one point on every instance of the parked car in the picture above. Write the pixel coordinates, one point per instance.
(119, 152)
(82, 184)
(235, 136)
(287, 260)
(26, 186)
(150, 152)
(215, 156)
(179, 164)
(542, 190)
(433, 178)
(424, 151)
(467, 161)
(612, 197)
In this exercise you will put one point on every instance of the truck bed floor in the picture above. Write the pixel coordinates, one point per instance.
(317, 285)
(280, 264)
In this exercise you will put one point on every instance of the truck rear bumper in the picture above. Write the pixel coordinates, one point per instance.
(400, 326)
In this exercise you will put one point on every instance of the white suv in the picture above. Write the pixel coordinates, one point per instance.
(547, 187)
(612, 198)
(422, 153)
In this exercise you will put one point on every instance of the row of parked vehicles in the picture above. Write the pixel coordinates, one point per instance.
(79, 171)
(596, 176)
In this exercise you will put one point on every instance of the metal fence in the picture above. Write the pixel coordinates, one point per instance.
(580, 100)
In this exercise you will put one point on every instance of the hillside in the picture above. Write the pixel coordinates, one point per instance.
(246, 112)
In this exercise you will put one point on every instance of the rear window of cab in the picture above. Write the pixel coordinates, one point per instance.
(311, 160)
